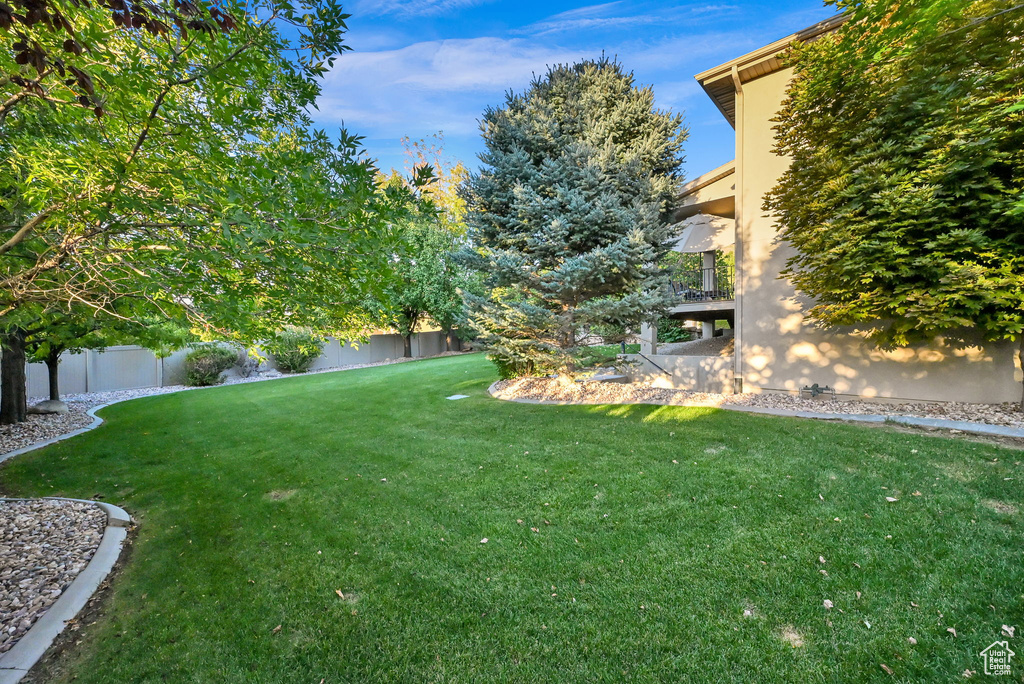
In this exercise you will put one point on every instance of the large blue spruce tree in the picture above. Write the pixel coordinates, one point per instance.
(570, 216)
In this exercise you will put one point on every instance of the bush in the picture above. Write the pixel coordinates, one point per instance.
(510, 369)
(204, 365)
(295, 349)
(671, 330)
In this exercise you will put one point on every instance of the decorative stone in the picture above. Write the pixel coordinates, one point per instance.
(49, 407)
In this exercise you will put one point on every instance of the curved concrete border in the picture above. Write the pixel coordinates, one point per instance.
(962, 425)
(15, 663)
(96, 422)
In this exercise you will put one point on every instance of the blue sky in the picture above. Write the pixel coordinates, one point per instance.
(422, 66)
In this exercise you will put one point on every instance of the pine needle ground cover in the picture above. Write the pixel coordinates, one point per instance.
(359, 527)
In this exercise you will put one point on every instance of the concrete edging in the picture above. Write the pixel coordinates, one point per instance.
(15, 663)
(961, 425)
(96, 422)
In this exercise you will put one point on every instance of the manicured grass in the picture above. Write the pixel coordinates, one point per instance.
(256, 503)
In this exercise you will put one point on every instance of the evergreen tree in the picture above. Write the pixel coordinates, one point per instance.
(570, 215)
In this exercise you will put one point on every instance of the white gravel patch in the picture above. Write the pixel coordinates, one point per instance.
(547, 389)
(44, 544)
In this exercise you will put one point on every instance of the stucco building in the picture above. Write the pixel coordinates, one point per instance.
(776, 347)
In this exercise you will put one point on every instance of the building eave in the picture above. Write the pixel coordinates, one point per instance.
(708, 178)
(720, 82)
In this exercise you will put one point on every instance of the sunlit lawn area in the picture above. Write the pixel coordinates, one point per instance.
(622, 543)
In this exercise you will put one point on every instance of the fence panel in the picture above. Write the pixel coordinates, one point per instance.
(119, 368)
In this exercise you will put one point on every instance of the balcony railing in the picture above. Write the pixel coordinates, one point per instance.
(704, 284)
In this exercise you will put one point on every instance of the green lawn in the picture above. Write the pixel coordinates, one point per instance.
(606, 560)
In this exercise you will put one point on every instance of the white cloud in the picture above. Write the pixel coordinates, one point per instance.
(414, 8)
(427, 86)
(618, 15)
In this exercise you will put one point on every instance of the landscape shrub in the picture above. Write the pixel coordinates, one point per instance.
(510, 369)
(672, 330)
(204, 365)
(295, 349)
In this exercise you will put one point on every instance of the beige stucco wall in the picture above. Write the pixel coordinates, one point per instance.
(779, 350)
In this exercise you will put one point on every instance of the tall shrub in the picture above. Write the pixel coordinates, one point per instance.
(295, 349)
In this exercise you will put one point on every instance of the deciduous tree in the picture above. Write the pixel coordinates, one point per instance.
(905, 196)
(175, 163)
(428, 278)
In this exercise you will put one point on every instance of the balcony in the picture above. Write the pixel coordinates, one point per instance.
(715, 284)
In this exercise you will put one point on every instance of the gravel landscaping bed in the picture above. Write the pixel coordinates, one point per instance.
(546, 389)
(44, 544)
(39, 428)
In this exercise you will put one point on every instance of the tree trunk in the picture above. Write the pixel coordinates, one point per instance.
(1020, 355)
(13, 399)
(53, 371)
(408, 345)
(448, 339)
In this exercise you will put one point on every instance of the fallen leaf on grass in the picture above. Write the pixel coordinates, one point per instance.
(484, 540)
(888, 670)
(951, 631)
(891, 499)
(534, 529)
(276, 630)
(821, 559)
(1008, 631)
(828, 604)
(858, 594)
(340, 595)
(912, 640)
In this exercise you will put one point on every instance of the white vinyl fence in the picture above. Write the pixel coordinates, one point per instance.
(130, 367)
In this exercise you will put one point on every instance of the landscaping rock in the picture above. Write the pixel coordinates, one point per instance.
(48, 407)
(44, 544)
(544, 389)
(42, 427)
